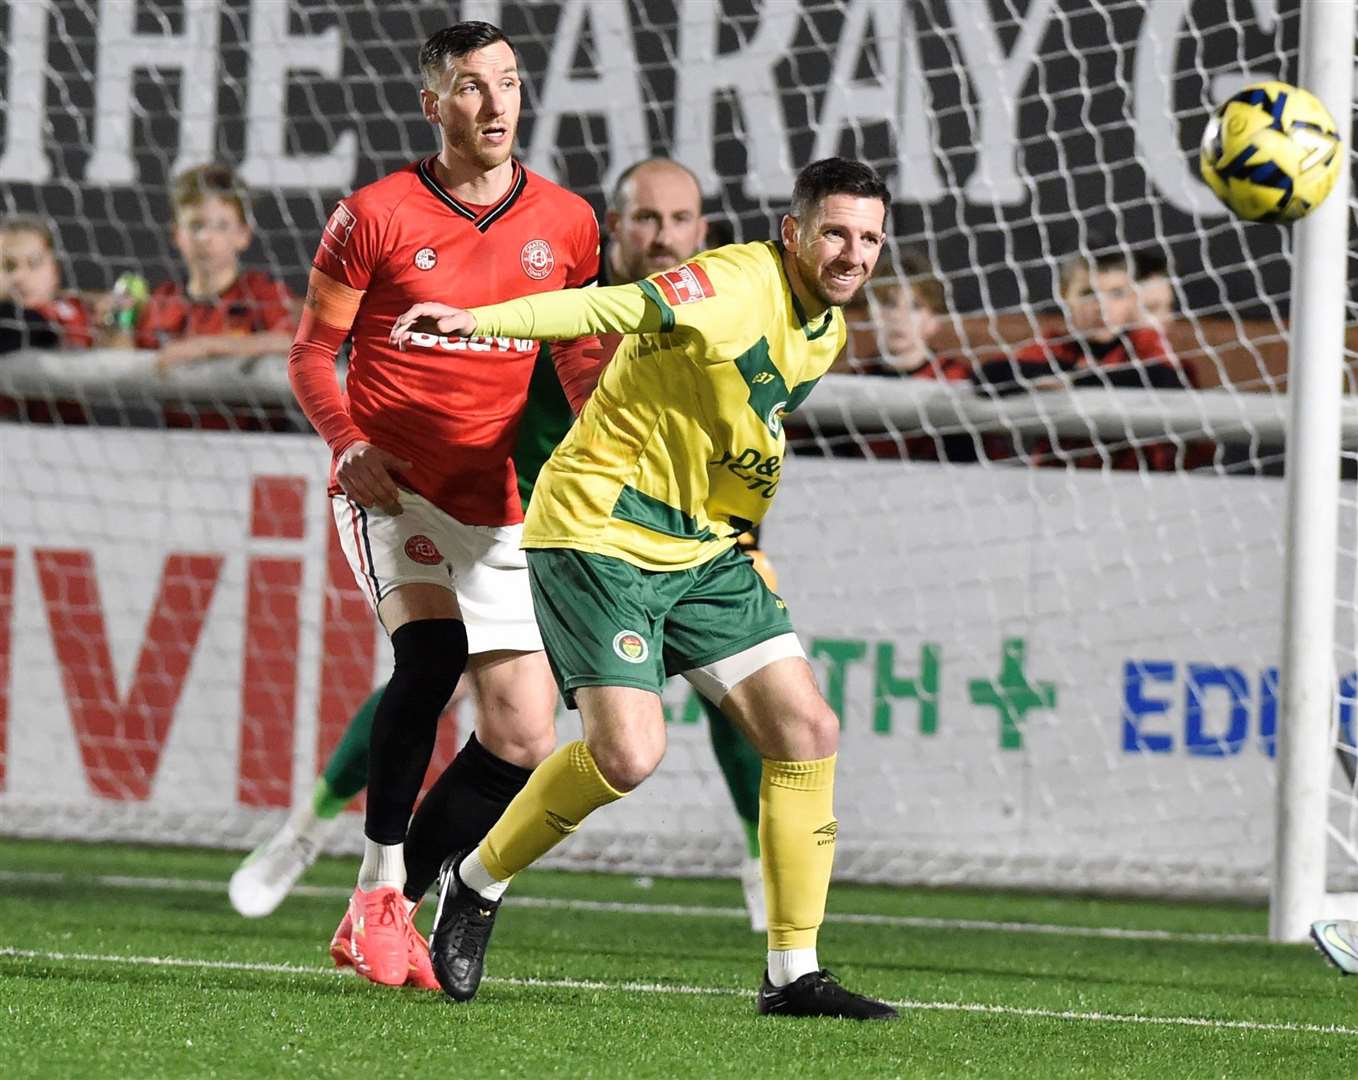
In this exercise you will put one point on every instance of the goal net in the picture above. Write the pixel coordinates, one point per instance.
(1049, 619)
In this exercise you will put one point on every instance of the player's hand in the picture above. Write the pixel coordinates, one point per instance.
(366, 473)
(430, 318)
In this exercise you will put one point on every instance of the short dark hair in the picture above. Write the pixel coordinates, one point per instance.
(836, 176)
(1094, 262)
(454, 41)
(214, 181)
(1149, 262)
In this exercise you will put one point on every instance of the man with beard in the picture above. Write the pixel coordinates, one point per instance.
(423, 490)
(631, 547)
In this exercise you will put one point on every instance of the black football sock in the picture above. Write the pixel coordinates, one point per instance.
(458, 811)
(431, 655)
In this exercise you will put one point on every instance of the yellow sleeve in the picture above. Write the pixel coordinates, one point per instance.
(720, 296)
(571, 313)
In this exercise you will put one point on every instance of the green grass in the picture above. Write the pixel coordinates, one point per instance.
(73, 1009)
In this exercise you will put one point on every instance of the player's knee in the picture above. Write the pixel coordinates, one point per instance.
(527, 745)
(626, 766)
(430, 653)
(819, 731)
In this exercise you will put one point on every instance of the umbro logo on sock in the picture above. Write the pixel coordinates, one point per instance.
(565, 826)
(828, 831)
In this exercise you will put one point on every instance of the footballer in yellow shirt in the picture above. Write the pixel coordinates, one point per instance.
(631, 538)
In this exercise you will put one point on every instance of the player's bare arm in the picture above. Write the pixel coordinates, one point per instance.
(366, 472)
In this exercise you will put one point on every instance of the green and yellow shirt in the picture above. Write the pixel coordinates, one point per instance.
(680, 447)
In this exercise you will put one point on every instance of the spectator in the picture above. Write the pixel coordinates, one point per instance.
(1154, 287)
(219, 310)
(36, 310)
(892, 320)
(891, 323)
(1103, 341)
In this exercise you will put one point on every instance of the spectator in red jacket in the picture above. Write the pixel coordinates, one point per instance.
(219, 310)
(30, 286)
(1106, 340)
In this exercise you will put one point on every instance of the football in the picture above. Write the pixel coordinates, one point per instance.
(1271, 152)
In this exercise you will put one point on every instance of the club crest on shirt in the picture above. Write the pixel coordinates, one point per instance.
(537, 259)
(774, 420)
(421, 549)
(426, 258)
(631, 646)
(685, 284)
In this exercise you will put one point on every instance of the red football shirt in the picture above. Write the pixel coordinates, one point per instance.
(451, 406)
(251, 304)
(69, 316)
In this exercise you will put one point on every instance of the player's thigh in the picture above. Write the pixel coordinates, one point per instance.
(601, 620)
(490, 575)
(624, 729)
(782, 712)
(399, 562)
(732, 638)
(515, 705)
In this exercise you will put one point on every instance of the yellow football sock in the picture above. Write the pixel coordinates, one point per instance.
(797, 843)
(562, 791)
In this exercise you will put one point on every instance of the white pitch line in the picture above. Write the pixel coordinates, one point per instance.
(696, 911)
(703, 991)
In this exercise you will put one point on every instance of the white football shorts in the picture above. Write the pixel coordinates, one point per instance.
(482, 564)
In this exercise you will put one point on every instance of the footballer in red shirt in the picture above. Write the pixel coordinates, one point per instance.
(424, 490)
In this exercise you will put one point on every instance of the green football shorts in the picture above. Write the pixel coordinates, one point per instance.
(605, 622)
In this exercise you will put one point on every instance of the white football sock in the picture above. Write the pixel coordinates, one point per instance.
(476, 877)
(789, 965)
(384, 865)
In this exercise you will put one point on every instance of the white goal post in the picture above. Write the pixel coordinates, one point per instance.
(1310, 660)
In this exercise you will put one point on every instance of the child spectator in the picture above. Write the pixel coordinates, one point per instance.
(40, 313)
(1105, 340)
(219, 310)
(1153, 287)
(891, 323)
(892, 320)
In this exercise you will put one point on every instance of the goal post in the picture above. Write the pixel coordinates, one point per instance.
(1311, 669)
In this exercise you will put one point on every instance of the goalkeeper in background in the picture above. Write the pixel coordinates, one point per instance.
(635, 574)
(654, 222)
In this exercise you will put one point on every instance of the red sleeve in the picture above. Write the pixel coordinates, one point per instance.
(579, 363)
(351, 243)
(160, 319)
(311, 372)
(1149, 347)
(585, 269)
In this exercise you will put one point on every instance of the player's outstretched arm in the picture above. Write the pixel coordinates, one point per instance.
(553, 316)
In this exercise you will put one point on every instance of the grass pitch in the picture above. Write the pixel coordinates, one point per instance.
(129, 963)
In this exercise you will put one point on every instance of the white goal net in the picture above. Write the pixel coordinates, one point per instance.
(1049, 620)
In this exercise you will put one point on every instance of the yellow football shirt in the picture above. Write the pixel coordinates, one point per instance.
(680, 447)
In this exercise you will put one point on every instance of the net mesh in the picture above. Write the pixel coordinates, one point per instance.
(1049, 620)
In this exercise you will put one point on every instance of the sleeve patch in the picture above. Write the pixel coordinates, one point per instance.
(685, 284)
(340, 225)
